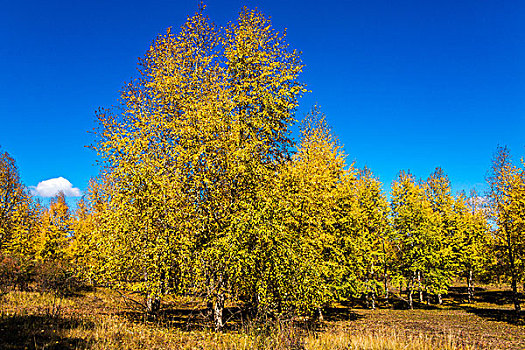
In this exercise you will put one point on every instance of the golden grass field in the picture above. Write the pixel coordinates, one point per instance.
(103, 319)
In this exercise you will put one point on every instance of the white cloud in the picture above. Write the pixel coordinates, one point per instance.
(51, 187)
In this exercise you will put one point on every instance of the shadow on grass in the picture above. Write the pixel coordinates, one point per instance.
(235, 318)
(189, 319)
(508, 316)
(334, 314)
(458, 295)
(497, 297)
(184, 319)
(39, 332)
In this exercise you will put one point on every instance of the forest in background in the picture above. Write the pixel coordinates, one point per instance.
(204, 194)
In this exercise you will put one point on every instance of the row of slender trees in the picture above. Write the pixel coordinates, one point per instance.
(204, 193)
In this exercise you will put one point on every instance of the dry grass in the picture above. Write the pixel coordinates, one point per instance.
(102, 320)
(340, 340)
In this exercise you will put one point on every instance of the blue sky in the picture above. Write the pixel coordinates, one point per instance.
(405, 84)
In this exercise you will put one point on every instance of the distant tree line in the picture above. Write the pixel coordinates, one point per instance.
(204, 193)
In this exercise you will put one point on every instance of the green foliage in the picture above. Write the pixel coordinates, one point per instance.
(507, 199)
(55, 231)
(415, 232)
(315, 183)
(371, 247)
(443, 257)
(474, 251)
(18, 211)
(189, 156)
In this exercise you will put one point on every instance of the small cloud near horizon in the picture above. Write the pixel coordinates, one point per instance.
(51, 187)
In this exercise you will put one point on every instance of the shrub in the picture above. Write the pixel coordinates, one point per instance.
(56, 277)
(15, 273)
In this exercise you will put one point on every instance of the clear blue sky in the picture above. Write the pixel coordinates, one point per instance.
(405, 84)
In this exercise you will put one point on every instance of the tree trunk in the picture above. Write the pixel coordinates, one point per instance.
(386, 288)
(410, 291)
(372, 292)
(419, 286)
(515, 296)
(152, 304)
(218, 309)
(364, 297)
(514, 280)
(320, 316)
(366, 294)
(385, 272)
(470, 288)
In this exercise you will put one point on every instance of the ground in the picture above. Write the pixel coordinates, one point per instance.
(103, 319)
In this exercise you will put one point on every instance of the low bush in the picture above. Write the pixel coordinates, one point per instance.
(15, 273)
(55, 277)
(42, 276)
